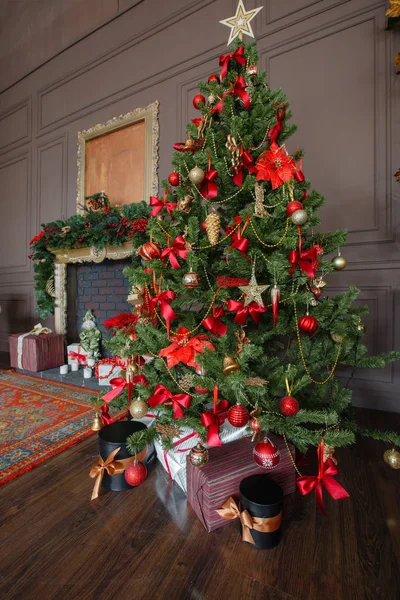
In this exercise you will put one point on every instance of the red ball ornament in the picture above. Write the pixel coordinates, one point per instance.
(308, 324)
(197, 100)
(316, 291)
(289, 406)
(173, 178)
(135, 473)
(204, 226)
(238, 415)
(150, 251)
(293, 206)
(266, 454)
(214, 77)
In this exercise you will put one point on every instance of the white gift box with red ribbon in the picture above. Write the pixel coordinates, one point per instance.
(174, 461)
(107, 372)
(76, 354)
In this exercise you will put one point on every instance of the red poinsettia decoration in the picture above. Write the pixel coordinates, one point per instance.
(121, 321)
(184, 349)
(276, 166)
(36, 238)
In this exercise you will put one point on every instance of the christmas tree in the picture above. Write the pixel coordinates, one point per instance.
(229, 289)
(90, 336)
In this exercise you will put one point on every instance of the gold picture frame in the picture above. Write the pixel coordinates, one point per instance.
(120, 157)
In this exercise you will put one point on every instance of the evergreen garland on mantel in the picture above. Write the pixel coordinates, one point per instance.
(101, 225)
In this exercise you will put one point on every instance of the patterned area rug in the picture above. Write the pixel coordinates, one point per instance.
(38, 419)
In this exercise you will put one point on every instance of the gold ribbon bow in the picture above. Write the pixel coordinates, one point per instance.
(39, 330)
(113, 467)
(230, 511)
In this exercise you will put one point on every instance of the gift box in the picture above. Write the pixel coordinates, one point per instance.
(174, 461)
(36, 352)
(76, 354)
(107, 372)
(210, 486)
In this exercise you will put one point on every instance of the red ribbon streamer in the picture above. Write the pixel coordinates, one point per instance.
(178, 248)
(238, 241)
(160, 204)
(246, 162)
(119, 384)
(276, 130)
(224, 59)
(307, 261)
(326, 470)
(298, 174)
(242, 311)
(213, 323)
(239, 89)
(163, 299)
(81, 358)
(210, 419)
(209, 188)
(163, 394)
(105, 415)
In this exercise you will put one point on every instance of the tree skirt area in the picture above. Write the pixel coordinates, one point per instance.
(38, 419)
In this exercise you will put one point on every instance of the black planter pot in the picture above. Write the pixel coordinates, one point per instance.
(262, 497)
(114, 436)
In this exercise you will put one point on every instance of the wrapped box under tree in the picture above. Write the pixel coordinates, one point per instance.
(210, 486)
(174, 461)
(36, 352)
(76, 354)
(106, 372)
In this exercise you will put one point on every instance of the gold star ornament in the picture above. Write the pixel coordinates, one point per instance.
(253, 291)
(240, 22)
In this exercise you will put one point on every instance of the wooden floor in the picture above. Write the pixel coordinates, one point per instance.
(148, 544)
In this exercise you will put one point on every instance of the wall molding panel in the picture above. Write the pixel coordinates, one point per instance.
(52, 179)
(16, 126)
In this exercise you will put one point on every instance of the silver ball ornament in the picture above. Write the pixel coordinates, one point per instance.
(299, 217)
(339, 263)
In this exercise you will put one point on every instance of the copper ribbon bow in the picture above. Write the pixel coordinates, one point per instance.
(224, 59)
(230, 510)
(307, 261)
(184, 349)
(163, 394)
(246, 162)
(119, 384)
(209, 188)
(113, 467)
(276, 130)
(81, 358)
(242, 311)
(210, 419)
(239, 89)
(160, 204)
(163, 299)
(326, 470)
(238, 241)
(178, 248)
(213, 323)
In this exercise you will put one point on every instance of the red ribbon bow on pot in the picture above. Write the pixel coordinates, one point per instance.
(326, 470)
(209, 188)
(183, 349)
(119, 384)
(307, 261)
(210, 419)
(246, 162)
(276, 130)
(163, 299)
(239, 89)
(213, 323)
(160, 204)
(242, 311)
(81, 358)
(224, 59)
(163, 395)
(238, 241)
(178, 248)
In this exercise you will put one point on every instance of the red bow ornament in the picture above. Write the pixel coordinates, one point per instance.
(209, 188)
(246, 162)
(213, 323)
(224, 59)
(178, 248)
(298, 174)
(239, 89)
(238, 241)
(242, 311)
(105, 414)
(119, 384)
(307, 261)
(163, 300)
(276, 130)
(164, 395)
(276, 166)
(160, 204)
(211, 420)
(184, 349)
(326, 470)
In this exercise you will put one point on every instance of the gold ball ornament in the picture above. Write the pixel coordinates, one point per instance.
(138, 408)
(337, 338)
(131, 371)
(392, 458)
(191, 279)
(339, 262)
(196, 175)
(198, 455)
(299, 217)
(229, 365)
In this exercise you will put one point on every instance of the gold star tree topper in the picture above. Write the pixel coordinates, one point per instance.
(240, 22)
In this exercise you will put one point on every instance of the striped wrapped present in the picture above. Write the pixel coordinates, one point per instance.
(209, 487)
(34, 352)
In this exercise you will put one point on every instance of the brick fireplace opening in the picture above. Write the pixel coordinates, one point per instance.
(103, 288)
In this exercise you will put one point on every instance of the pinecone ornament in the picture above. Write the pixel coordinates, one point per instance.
(213, 226)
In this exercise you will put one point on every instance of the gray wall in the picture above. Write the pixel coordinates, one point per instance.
(332, 57)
